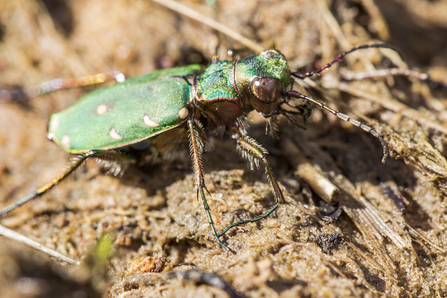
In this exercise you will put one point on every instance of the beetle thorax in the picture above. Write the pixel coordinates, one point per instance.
(215, 95)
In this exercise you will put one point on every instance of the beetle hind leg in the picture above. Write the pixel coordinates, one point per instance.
(44, 189)
(74, 164)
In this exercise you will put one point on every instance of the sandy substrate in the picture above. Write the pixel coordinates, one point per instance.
(139, 234)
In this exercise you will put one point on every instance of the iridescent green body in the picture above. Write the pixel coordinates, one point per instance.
(144, 107)
(126, 113)
(173, 106)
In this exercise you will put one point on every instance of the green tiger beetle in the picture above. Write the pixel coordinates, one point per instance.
(177, 104)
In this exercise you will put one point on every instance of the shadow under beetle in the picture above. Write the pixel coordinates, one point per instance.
(177, 104)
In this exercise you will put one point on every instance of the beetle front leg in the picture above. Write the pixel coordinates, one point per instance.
(255, 152)
(196, 146)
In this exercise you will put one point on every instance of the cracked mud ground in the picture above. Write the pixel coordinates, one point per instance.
(132, 233)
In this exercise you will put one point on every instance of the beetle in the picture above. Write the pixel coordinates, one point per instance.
(164, 108)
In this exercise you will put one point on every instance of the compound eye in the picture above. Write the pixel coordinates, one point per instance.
(266, 90)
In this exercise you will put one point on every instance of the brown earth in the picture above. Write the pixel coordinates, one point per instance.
(391, 238)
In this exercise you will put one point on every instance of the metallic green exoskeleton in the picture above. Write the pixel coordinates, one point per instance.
(173, 104)
(126, 113)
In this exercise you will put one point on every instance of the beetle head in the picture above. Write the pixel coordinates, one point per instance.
(262, 81)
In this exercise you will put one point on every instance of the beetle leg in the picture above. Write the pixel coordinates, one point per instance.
(115, 162)
(249, 220)
(56, 84)
(196, 146)
(42, 190)
(255, 152)
(76, 163)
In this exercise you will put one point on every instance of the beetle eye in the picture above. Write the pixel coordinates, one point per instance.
(266, 90)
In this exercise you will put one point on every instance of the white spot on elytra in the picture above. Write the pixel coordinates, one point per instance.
(54, 124)
(101, 109)
(183, 113)
(114, 135)
(119, 77)
(66, 141)
(149, 122)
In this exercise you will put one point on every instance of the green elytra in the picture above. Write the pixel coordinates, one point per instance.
(170, 104)
(126, 113)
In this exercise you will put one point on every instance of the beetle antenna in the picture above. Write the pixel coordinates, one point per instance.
(302, 75)
(409, 73)
(344, 117)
